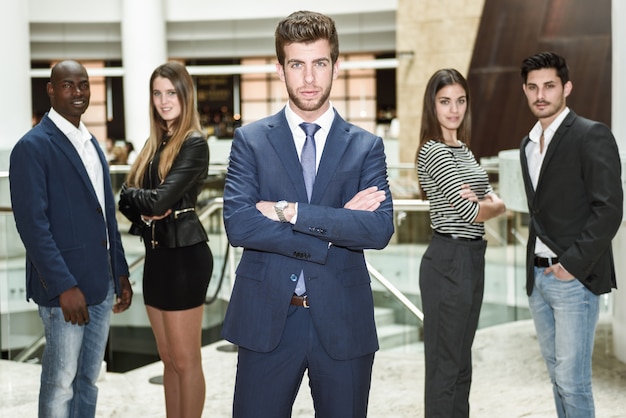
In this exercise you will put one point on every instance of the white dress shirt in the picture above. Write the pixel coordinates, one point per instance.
(535, 156)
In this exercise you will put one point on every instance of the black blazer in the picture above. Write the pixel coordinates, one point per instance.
(576, 208)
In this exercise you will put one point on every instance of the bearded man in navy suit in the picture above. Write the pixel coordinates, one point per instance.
(65, 214)
(302, 298)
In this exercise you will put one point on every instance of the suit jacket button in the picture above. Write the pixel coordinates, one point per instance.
(293, 277)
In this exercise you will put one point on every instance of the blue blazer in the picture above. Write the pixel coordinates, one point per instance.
(577, 206)
(60, 221)
(264, 165)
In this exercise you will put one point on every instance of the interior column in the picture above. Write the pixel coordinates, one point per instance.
(144, 47)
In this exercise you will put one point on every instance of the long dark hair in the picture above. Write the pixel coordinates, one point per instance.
(431, 129)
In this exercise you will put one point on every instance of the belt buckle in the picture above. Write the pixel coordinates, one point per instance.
(305, 304)
(550, 261)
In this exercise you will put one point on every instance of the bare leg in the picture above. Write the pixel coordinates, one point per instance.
(178, 337)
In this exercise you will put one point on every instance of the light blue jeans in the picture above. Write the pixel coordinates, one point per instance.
(565, 315)
(71, 361)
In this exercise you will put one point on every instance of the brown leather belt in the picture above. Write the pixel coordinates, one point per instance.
(302, 301)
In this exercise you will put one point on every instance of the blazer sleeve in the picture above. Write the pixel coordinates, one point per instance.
(601, 172)
(118, 257)
(354, 229)
(247, 227)
(28, 179)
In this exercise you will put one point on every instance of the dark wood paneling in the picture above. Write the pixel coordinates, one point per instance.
(511, 30)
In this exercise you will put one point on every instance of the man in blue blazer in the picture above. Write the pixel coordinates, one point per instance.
(65, 214)
(302, 297)
(572, 176)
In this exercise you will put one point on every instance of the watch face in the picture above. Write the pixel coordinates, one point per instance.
(282, 204)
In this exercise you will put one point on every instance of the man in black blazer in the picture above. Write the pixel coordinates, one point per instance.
(572, 176)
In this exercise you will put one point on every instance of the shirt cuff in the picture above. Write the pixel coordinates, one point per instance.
(295, 216)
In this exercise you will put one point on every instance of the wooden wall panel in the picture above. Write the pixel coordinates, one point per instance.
(511, 30)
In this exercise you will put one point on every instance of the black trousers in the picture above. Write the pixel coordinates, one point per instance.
(452, 278)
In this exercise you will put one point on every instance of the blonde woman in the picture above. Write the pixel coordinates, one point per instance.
(159, 197)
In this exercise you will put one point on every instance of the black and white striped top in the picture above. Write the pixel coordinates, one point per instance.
(441, 170)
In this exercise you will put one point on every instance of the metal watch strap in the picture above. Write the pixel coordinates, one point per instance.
(280, 214)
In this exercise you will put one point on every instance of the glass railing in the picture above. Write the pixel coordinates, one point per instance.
(131, 343)
(394, 272)
(20, 326)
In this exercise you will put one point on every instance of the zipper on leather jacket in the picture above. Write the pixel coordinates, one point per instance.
(153, 241)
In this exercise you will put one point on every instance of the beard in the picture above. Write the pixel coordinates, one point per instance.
(551, 108)
(309, 105)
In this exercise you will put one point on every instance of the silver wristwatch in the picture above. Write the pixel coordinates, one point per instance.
(279, 207)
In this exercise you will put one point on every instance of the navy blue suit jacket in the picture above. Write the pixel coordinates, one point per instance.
(264, 165)
(60, 220)
(576, 208)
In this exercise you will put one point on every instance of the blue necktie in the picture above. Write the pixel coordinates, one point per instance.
(307, 159)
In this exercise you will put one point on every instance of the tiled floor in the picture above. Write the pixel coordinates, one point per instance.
(509, 381)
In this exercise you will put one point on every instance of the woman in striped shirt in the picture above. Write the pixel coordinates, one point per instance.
(453, 266)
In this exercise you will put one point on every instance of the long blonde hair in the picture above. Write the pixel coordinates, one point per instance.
(187, 123)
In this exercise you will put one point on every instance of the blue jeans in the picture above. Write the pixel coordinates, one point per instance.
(565, 315)
(71, 361)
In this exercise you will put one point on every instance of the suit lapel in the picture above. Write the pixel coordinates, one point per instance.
(280, 137)
(106, 176)
(530, 192)
(66, 147)
(336, 143)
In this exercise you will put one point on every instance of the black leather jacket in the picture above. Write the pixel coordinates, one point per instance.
(179, 192)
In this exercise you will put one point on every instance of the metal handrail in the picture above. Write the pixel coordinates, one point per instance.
(416, 205)
(25, 354)
(216, 203)
(395, 292)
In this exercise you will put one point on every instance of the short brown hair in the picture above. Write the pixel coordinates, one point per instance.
(306, 27)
